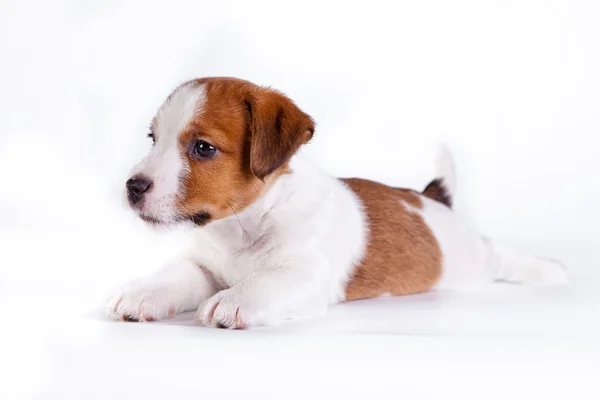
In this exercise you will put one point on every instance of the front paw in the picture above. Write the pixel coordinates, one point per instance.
(233, 309)
(144, 300)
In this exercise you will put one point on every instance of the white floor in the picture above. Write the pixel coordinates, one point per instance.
(509, 342)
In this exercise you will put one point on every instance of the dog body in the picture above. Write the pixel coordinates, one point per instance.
(273, 236)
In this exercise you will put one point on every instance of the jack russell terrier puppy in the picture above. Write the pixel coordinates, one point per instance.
(276, 238)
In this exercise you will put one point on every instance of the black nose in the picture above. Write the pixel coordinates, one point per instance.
(136, 187)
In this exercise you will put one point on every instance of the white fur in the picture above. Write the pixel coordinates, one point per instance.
(177, 288)
(165, 165)
(288, 254)
(293, 250)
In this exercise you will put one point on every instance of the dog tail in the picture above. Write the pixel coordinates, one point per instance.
(442, 188)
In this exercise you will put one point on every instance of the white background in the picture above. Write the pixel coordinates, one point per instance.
(513, 87)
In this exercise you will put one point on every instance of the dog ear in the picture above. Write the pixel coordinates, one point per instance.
(277, 130)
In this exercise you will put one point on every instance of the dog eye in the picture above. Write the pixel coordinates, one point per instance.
(204, 149)
(151, 136)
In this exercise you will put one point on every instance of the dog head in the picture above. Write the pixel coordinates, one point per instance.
(218, 144)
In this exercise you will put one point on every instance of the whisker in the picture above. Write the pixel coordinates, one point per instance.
(244, 204)
(239, 222)
(258, 193)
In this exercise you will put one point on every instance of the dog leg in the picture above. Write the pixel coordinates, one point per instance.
(510, 265)
(179, 287)
(267, 297)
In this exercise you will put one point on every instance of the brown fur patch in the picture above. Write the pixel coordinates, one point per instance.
(402, 255)
(256, 130)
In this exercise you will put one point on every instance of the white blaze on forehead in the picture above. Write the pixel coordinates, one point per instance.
(166, 164)
(183, 104)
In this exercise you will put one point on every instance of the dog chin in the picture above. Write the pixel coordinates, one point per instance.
(153, 220)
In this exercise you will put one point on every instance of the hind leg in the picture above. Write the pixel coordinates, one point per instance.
(512, 266)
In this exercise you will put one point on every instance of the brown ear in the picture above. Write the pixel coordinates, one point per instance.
(277, 129)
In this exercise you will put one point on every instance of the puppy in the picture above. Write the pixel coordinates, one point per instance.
(274, 237)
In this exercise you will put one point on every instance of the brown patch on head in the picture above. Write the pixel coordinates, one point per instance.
(402, 255)
(255, 130)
